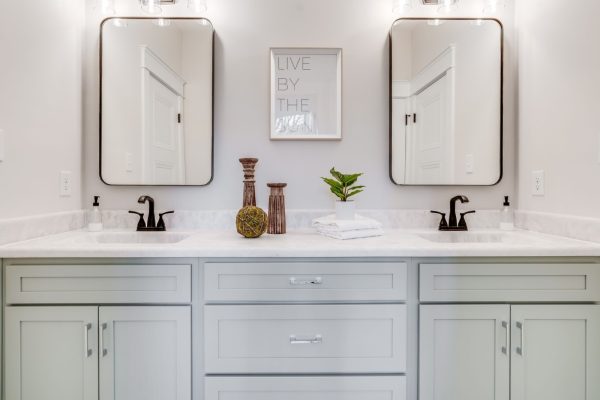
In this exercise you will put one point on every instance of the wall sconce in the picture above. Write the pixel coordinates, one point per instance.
(107, 7)
(199, 6)
(447, 6)
(492, 6)
(151, 6)
(400, 6)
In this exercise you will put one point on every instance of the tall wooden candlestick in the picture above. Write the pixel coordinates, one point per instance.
(276, 209)
(249, 188)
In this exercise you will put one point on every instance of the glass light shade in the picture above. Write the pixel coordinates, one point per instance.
(400, 6)
(492, 6)
(198, 6)
(120, 23)
(107, 7)
(447, 6)
(162, 22)
(151, 6)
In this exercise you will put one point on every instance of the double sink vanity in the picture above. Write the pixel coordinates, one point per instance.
(210, 315)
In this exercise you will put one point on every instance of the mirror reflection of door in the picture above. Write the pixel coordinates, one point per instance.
(446, 102)
(163, 93)
(157, 101)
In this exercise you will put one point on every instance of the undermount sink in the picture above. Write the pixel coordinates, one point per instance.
(133, 237)
(465, 237)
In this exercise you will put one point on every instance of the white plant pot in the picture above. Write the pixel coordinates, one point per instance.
(345, 210)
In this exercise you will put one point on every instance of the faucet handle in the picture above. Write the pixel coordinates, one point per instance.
(141, 223)
(463, 223)
(161, 222)
(443, 222)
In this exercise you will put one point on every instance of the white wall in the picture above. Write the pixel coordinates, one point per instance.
(40, 104)
(559, 105)
(245, 30)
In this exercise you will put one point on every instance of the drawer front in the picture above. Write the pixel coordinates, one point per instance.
(510, 282)
(305, 339)
(98, 284)
(306, 388)
(320, 281)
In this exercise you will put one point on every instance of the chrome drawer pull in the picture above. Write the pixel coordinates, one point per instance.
(520, 349)
(103, 328)
(317, 339)
(505, 347)
(295, 282)
(86, 332)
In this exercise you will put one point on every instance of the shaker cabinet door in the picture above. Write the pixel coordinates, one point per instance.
(51, 353)
(464, 352)
(555, 352)
(145, 353)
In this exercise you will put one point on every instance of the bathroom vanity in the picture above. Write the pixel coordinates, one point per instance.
(302, 318)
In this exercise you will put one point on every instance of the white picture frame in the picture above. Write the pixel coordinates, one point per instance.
(306, 93)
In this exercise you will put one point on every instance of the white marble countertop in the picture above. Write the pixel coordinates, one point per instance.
(217, 244)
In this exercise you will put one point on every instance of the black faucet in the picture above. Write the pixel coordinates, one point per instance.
(452, 224)
(151, 226)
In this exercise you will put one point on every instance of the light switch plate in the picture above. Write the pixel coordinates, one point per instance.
(65, 184)
(470, 163)
(2, 145)
(538, 183)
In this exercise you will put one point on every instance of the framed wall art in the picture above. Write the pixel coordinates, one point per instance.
(306, 94)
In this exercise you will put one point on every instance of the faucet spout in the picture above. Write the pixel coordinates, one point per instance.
(453, 221)
(151, 218)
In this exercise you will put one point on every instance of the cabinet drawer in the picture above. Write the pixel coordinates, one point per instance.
(98, 284)
(305, 339)
(510, 282)
(320, 281)
(306, 388)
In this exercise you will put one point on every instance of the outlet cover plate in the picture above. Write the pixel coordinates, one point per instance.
(538, 183)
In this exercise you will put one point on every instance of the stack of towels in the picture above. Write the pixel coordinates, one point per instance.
(360, 227)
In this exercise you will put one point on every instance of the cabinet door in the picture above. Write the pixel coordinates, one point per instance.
(145, 353)
(555, 352)
(51, 353)
(464, 352)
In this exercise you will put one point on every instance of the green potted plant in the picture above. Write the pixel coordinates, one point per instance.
(344, 187)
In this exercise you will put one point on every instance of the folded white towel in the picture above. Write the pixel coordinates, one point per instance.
(355, 234)
(331, 224)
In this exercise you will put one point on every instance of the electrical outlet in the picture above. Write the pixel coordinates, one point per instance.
(65, 189)
(2, 145)
(539, 184)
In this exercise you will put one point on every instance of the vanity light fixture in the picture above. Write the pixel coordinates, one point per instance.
(199, 6)
(162, 22)
(151, 6)
(447, 6)
(400, 6)
(492, 6)
(107, 7)
(120, 23)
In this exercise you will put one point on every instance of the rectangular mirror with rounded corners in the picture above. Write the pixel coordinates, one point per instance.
(446, 102)
(156, 101)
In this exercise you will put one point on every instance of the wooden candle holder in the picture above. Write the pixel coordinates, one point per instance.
(249, 165)
(276, 209)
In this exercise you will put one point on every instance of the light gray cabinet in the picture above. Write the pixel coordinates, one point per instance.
(59, 353)
(306, 388)
(305, 339)
(554, 352)
(51, 353)
(145, 353)
(464, 352)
